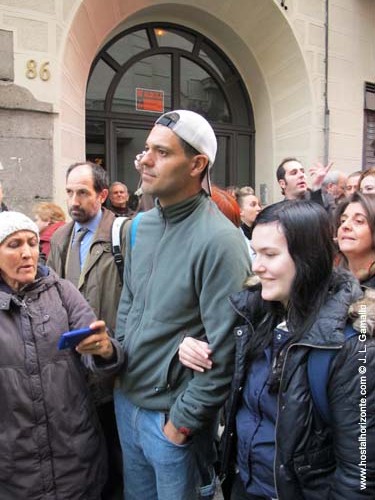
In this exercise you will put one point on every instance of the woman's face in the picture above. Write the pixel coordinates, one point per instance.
(19, 259)
(367, 185)
(273, 263)
(250, 209)
(354, 236)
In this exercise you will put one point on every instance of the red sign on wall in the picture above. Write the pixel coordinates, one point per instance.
(149, 100)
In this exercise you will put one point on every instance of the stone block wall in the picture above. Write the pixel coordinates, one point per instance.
(26, 139)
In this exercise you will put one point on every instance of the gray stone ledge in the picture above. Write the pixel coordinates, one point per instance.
(15, 97)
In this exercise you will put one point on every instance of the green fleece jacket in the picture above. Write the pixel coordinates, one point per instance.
(185, 262)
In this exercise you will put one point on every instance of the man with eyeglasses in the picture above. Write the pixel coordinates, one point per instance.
(184, 261)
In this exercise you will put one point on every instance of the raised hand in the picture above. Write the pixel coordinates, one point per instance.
(318, 173)
(137, 161)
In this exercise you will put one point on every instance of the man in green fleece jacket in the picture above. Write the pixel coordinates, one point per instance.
(185, 260)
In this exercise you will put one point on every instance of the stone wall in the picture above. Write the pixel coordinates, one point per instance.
(26, 139)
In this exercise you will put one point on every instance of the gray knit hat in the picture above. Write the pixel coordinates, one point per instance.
(11, 222)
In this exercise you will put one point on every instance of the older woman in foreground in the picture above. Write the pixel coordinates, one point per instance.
(50, 441)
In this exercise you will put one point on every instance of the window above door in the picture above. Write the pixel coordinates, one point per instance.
(186, 70)
(157, 67)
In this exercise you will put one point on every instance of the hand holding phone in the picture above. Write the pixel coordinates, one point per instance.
(74, 337)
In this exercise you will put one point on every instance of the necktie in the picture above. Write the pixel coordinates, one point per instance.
(73, 270)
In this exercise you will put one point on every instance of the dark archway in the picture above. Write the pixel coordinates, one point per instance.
(154, 68)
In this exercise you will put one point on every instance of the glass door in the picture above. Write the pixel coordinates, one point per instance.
(128, 142)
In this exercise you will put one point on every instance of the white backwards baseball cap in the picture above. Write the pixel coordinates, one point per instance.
(11, 222)
(197, 132)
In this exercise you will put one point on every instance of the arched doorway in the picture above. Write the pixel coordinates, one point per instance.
(154, 68)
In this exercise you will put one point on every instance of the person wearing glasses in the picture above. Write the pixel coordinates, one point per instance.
(185, 259)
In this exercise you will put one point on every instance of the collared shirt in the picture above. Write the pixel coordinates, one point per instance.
(92, 226)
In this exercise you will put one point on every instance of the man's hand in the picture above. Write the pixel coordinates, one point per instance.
(318, 173)
(174, 434)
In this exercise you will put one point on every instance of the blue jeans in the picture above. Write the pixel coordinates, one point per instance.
(154, 467)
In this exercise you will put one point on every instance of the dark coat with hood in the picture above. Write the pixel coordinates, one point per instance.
(51, 445)
(313, 461)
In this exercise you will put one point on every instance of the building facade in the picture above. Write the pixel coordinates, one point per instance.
(87, 78)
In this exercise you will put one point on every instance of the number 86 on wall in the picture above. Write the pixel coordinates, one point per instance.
(32, 70)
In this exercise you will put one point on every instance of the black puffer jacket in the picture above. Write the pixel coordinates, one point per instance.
(313, 461)
(51, 446)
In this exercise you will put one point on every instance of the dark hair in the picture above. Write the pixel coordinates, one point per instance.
(367, 201)
(190, 151)
(280, 172)
(308, 233)
(307, 230)
(99, 175)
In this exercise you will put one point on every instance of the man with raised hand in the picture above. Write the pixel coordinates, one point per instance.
(292, 180)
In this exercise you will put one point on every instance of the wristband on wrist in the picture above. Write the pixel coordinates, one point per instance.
(185, 431)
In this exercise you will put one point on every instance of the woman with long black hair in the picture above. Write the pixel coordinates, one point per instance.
(277, 443)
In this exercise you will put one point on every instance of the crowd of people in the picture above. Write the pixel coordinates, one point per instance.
(206, 312)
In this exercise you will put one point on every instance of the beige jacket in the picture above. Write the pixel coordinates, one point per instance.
(100, 281)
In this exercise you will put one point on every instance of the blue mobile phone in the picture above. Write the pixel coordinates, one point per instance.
(74, 337)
